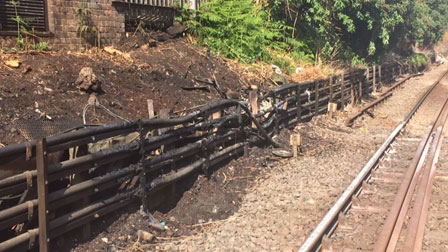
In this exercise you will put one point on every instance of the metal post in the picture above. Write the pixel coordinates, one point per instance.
(316, 97)
(164, 114)
(380, 76)
(367, 78)
(276, 114)
(142, 175)
(360, 83)
(299, 105)
(343, 91)
(393, 72)
(374, 78)
(42, 193)
(352, 89)
(331, 88)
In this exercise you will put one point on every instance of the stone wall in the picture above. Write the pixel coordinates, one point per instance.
(63, 21)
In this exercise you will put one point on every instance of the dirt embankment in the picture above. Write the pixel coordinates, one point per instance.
(165, 73)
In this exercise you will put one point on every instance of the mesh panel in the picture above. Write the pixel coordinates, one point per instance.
(36, 129)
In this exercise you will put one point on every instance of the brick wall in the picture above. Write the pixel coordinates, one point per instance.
(62, 20)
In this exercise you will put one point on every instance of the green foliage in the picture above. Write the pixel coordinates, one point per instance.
(140, 29)
(353, 59)
(284, 64)
(368, 28)
(430, 22)
(184, 14)
(87, 32)
(23, 33)
(21, 25)
(317, 31)
(418, 62)
(41, 46)
(238, 29)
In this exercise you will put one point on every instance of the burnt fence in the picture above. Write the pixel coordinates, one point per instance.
(165, 3)
(152, 13)
(47, 198)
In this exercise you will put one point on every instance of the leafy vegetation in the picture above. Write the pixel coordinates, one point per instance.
(87, 32)
(418, 62)
(23, 34)
(237, 29)
(355, 31)
(21, 24)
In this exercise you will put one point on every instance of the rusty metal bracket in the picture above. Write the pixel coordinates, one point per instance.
(206, 164)
(42, 192)
(29, 150)
(29, 179)
(33, 235)
(30, 210)
(140, 166)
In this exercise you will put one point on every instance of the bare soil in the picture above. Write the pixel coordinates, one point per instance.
(46, 82)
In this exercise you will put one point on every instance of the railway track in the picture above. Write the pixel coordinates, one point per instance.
(388, 206)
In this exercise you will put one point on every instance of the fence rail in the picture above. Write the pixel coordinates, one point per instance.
(165, 3)
(116, 176)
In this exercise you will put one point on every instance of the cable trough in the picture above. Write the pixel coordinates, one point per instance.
(133, 162)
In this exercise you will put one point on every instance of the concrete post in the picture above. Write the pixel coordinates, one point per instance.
(193, 4)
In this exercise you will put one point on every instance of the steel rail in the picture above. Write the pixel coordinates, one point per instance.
(400, 83)
(411, 242)
(393, 240)
(387, 238)
(423, 218)
(382, 97)
(414, 168)
(330, 220)
(415, 228)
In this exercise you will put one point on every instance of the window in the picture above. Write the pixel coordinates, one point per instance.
(32, 11)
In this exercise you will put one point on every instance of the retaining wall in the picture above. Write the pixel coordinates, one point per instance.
(63, 21)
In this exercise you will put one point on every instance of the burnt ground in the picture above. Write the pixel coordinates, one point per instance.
(249, 203)
(284, 203)
(198, 202)
(46, 81)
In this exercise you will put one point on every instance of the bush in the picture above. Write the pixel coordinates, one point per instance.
(418, 62)
(353, 31)
(284, 64)
(236, 29)
(242, 30)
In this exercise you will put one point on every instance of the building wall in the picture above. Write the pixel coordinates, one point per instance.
(63, 21)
